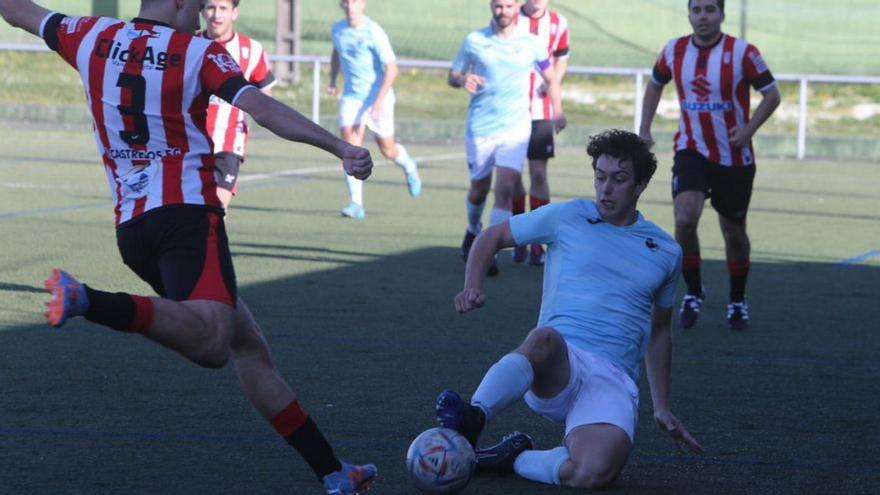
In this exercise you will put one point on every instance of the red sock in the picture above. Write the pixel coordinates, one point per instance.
(294, 424)
(290, 419)
(535, 202)
(690, 270)
(519, 204)
(143, 314)
(739, 272)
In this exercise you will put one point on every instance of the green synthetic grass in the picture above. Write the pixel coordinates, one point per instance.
(359, 317)
(806, 36)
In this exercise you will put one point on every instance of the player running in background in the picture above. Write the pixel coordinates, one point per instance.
(551, 28)
(495, 65)
(226, 124)
(148, 83)
(363, 52)
(609, 289)
(714, 157)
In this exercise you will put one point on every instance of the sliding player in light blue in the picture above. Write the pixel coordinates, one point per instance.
(363, 52)
(609, 288)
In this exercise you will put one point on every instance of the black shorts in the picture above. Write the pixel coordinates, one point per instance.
(541, 144)
(226, 167)
(181, 251)
(729, 188)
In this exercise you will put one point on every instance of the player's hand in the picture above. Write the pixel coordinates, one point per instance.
(473, 82)
(332, 90)
(739, 137)
(671, 425)
(469, 299)
(357, 162)
(647, 138)
(559, 123)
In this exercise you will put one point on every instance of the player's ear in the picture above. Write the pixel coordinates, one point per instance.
(234, 14)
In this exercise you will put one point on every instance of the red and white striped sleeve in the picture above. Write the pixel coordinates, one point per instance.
(562, 48)
(756, 71)
(262, 75)
(662, 72)
(220, 75)
(64, 34)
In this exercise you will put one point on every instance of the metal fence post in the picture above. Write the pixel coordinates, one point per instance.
(637, 104)
(802, 121)
(316, 92)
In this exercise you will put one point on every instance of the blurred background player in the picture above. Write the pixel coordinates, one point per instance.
(551, 28)
(495, 65)
(609, 291)
(362, 50)
(714, 157)
(147, 84)
(226, 124)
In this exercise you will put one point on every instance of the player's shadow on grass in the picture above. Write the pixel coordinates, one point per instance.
(789, 405)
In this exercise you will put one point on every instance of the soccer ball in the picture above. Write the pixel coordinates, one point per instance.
(440, 460)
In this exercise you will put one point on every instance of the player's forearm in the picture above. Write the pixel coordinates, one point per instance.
(388, 80)
(658, 360)
(334, 68)
(769, 104)
(560, 67)
(651, 101)
(489, 242)
(289, 124)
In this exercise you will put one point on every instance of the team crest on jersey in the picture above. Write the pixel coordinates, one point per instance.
(224, 62)
(72, 24)
(727, 58)
(136, 34)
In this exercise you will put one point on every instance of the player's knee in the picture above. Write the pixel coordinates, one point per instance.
(594, 475)
(686, 223)
(540, 345)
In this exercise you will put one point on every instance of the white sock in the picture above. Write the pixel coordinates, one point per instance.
(541, 465)
(498, 216)
(505, 383)
(404, 161)
(474, 216)
(355, 189)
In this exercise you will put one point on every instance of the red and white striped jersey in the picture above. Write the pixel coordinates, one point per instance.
(552, 31)
(713, 92)
(227, 124)
(147, 87)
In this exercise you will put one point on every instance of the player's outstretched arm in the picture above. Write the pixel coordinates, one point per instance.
(554, 90)
(23, 14)
(489, 242)
(293, 126)
(658, 362)
(650, 102)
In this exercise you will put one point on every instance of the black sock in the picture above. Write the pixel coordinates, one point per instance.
(314, 448)
(119, 311)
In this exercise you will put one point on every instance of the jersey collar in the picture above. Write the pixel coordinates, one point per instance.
(713, 45)
(149, 21)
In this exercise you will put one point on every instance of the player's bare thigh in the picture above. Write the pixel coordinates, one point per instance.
(353, 134)
(597, 454)
(547, 352)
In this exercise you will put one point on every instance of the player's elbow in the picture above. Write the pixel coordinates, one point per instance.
(7, 12)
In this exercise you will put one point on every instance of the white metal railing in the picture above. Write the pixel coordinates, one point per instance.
(638, 75)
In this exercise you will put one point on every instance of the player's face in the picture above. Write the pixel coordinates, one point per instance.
(536, 5)
(617, 191)
(354, 9)
(219, 18)
(504, 12)
(705, 18)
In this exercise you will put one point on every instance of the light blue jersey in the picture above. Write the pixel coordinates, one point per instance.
(601, 280)
(502, 103)
(363, 53)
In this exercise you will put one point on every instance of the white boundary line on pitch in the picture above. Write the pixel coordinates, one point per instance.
(295, 172)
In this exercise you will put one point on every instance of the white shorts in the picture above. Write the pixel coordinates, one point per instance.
(597, 392)
(353, 113)
(507, 149)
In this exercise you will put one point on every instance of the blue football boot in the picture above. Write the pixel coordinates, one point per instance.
(454, 413)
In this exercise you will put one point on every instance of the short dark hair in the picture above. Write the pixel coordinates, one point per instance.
(234, 4)
(624, 146)
(720, 4)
